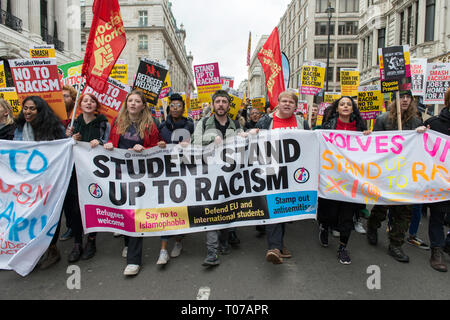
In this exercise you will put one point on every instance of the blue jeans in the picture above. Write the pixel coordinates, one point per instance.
(416, 216)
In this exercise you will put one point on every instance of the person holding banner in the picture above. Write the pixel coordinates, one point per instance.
(37, 122)
(283, 117)
(7, 125)
(216, 129)
(175, 129)
(343, 115)
(401, 214)
(134, 129)
(439, 210)
(93, 128)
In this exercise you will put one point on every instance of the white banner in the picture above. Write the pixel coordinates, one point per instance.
(390, 167)
(269, 178)
(33, 183)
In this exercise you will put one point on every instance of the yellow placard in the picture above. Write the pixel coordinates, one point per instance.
(330, 97)
(2, 75)
(10, 95)
(161, 219)
(235, 105)
(43, 51)
(349, 82)
(205, 92)
(259, 102)
(120, 73)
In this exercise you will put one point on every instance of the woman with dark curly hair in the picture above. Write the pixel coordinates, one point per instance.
(37, 122)
(343, 114)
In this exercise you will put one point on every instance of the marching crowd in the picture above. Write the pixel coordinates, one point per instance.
(136, 129)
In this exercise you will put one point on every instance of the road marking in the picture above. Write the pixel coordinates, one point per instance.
(203, 293)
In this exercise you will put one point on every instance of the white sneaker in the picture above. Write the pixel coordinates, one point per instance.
(359, 227)
(131, 270)
(176, 251)
(336, 233)
(163, 257)
(125, 252)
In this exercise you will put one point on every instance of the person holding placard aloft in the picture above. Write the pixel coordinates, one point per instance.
(135, 130)
(401, 214)
(342, 115)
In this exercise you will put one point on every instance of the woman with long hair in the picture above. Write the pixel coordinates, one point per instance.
(343, 115)
(134, 129)
(37, 122)
(94, 128)
(7, 125)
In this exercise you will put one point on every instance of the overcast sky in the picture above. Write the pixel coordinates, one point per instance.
(217, 30)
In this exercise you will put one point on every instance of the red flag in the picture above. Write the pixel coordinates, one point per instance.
(270, 58)
(105, 44)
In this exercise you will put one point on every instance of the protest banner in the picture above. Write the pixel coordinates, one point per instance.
(150, 78)
(42, 51)
(235, 104)
(370, 101)
(33, 184)
(437, 83)
(70, 74)
(167, 86)
(196, 106)
(111, 98)
(313, 77)
(322, 107)
(120, 71)
(418, 72)
(396, 75)
(384, 167)
(349, 81)
(268, 179)
(227, 82)
(10, 95)
(207, 79)
(39, 77)
(259, 103)
(2, 75)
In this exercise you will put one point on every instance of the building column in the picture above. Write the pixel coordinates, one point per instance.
(34, 19)
(20, 10)
(421, 30)
(61, 19)
(374, 57)
(50, 16)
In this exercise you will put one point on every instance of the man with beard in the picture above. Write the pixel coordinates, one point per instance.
(215, 129)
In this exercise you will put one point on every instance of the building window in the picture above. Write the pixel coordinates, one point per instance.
(143, 42)
(322, 5)
(347, 51)
(402, 28)
(322, 28)
(348, 28)
(143, 19)
(330, 73)
(338, 74)
(429, 20)
(349, 6)
(382, 38)
(320, 51)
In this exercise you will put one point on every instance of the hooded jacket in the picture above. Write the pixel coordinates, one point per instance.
(440, 123)
(98, 128)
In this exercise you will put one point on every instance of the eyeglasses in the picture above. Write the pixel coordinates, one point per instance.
(176, 105)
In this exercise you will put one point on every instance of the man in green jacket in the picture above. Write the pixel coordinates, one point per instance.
(215, 129)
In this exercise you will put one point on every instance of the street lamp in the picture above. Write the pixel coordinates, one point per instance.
(330, 10)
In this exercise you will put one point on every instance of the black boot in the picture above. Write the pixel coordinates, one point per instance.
(89, 250)
(372, 236)
(75, 254)
(233, 239)
(398, 254)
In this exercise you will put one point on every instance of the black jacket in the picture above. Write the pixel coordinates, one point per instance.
(166, 128)
(440, 123)
(332, 122)
(7, 132)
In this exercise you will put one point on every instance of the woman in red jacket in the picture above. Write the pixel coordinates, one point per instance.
(134, 129)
